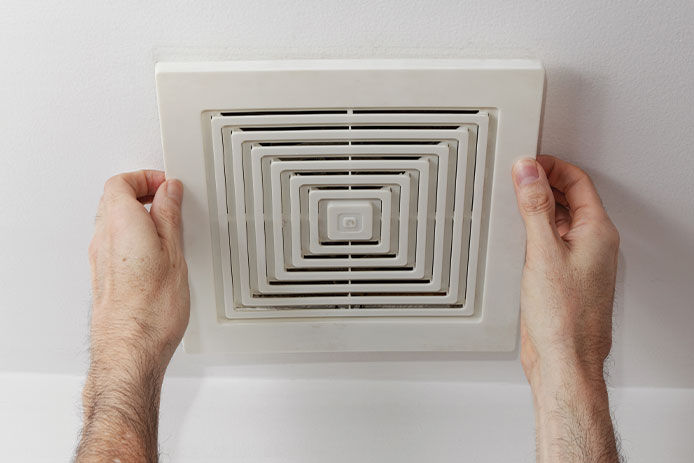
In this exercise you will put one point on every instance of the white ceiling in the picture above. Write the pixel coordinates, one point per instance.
(78, 105)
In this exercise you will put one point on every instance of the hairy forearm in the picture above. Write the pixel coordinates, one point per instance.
(121, 406)
(572, 416)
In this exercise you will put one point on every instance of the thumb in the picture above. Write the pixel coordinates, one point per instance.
(166, 214)
(535, 201)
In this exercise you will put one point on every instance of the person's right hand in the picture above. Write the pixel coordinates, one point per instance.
(568, 280)
(140, 311)
(139, 277)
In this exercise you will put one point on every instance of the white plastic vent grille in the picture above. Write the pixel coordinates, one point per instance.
(342, 213)
(350, 205)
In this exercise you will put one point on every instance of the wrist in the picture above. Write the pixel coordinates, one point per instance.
(128, 343)
(134, 374)
(559, 366)
(565, 386)
(566, 380)
(122, 374)
(123, 385)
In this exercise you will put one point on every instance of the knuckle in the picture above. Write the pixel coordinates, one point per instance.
(113, 181)
(612, 234)
(170, 215)
(92, 250)
(537, 201)
(181, 269)
(581, 174)
(576, 174)
(528, 362)
(605, 232)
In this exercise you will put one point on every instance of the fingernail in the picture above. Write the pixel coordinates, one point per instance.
(526, 172)
(174, 190)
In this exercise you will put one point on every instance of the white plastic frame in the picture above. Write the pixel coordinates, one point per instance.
(510, 89)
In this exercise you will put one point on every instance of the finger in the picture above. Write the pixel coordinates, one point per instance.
(579, 192)
(535, 202)
(146, 199)
(559, 197)
(166, 214)
(138, 184)
(562, 219)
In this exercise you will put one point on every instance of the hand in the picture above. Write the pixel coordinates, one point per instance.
(140, 312)
(567, 293)
(568, 281)
(139, 278)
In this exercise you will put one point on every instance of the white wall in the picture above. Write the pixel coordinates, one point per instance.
(215, 420)
(77, 105)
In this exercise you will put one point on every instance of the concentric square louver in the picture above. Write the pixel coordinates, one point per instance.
(306, 190)
(350, 205)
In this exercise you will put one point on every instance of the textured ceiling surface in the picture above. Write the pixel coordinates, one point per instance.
(78, 105)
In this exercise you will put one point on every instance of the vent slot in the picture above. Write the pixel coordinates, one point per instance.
(348, 212)
(290, 112)
(415, 111)
(297, 127)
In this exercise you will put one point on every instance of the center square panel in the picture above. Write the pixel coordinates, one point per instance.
(330, 210)
(351, 220)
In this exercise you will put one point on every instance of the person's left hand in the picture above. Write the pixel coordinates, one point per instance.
(139, 277)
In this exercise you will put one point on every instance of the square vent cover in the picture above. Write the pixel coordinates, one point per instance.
(350, 205)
